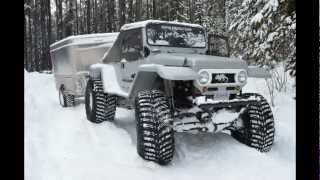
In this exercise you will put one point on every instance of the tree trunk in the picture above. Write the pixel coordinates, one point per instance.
(122, 13)
(138, 10)
(154, 9)
(105, 19)
(42, 36)
(25, 55)
(147, 9)
(69, 19)
(130, 14)
(77, 19)
(49, 41)
(35, 25)
(59, 19)
(95, 19)
(111, 23)
(30, 46)
(88, 17)
(82, 19)
(191, 12)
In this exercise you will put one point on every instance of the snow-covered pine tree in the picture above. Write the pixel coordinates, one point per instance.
(198, 12)
(263, 31)
(214, 16)
(183, 13)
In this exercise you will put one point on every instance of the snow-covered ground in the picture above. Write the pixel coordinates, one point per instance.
(61, 144)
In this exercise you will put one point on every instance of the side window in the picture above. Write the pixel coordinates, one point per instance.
(131, 48)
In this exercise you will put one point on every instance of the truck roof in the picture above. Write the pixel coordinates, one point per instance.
(144, 23)
(86, 39)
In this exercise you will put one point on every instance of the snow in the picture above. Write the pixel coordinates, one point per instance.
(202, 100)
(89, 38)
(224, 116)
(257, 18)
(271, 36)
(173, 35)
(140, 24)
(60, 143)
(108, 77)
(158, 42)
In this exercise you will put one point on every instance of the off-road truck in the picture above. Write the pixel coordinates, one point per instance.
(160, 69)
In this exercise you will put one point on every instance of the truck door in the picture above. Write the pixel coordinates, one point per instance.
(130, 56)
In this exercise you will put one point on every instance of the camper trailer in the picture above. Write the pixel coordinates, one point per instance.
(71, 58)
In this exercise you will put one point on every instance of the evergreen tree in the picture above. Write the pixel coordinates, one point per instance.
(260, 31)
(263, 32)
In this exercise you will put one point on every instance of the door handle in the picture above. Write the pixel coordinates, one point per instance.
(133, 75)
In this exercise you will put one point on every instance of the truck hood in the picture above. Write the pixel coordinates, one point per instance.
(197, 61)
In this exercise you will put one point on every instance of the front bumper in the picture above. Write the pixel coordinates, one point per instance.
(213, 116)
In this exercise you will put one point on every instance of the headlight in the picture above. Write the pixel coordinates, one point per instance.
(242, 76)
(204, 77)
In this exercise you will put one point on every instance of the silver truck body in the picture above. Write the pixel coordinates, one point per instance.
(71, 58)
(132, 76)
(161, 70)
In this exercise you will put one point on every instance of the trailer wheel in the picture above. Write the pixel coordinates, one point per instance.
(258, 131)
(66, 100)
(155, 136)
(99, 105)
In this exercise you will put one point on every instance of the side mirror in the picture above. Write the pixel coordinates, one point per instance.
(122, 62)
(146, 51)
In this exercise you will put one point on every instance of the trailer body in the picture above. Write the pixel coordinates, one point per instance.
(71, 58)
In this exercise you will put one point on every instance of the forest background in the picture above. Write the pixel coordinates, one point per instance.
(262, 32)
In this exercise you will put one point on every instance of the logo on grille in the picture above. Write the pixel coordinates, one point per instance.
(221, 78)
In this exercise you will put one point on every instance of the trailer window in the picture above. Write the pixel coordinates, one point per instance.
(131, 48)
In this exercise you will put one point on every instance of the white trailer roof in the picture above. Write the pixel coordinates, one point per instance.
(87, 39)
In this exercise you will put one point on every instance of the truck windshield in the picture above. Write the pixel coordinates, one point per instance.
(175, 36)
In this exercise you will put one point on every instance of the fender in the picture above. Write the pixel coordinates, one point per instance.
(171, 72)
(147, 75)
(95, 70)
(110, 79)
(108, 76)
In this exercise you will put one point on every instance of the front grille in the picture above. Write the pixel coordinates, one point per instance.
(223, 78)
(231, 88)
(212, 89)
